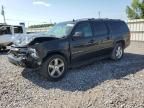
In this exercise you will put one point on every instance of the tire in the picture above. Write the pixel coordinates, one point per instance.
(4, 47)
(117, 52)
(54, 68)
(1, 47)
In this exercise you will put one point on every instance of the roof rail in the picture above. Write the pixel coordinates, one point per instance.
(85, 19)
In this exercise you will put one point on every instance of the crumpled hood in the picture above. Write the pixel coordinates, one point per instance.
(34, 35)
(25, 39)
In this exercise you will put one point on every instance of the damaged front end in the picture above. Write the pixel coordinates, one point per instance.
(24, 57)
(29, 50)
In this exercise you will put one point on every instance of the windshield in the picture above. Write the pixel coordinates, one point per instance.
(60, 30)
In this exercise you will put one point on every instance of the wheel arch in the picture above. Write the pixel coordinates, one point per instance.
(56, 53)
(121, 41)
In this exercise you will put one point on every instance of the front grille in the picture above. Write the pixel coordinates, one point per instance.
(18, 52)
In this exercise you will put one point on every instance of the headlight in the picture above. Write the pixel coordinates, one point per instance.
(33, 53)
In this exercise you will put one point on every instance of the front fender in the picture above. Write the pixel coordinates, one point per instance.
(46, 49)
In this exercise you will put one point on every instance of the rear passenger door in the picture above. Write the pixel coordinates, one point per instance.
(102, 38)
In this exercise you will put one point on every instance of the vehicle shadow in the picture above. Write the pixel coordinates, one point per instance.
(87, 77)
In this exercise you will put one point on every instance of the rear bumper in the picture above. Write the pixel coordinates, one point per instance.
(127, 43)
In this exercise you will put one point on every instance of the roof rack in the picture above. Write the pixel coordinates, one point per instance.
(84, 19)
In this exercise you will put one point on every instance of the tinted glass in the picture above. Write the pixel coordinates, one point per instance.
(85, 28)
(118, 27)
(18, 29)
(5, 30)
(100, 28)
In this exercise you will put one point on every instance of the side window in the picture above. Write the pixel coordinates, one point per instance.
(100, 28)
(115, 27)
(85, 28)
(8, 31)
(124, 27)
(5, 30)
(18, 29)
(118, 27)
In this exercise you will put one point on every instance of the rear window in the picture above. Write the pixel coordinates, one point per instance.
(100, 28)
(18, 29)
(118, 27)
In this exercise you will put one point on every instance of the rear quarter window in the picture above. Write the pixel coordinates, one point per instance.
(118, 27)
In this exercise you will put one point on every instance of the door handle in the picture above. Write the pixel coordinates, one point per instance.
(91, 41)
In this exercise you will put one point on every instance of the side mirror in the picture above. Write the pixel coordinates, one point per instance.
(78, 34)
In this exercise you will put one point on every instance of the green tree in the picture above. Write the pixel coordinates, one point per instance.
(40, 25)
(136, 10)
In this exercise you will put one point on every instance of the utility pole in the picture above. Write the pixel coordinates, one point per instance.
(3, 14)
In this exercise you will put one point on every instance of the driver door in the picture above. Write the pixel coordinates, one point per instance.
(82, 46)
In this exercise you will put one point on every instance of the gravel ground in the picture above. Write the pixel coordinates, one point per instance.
(104, 84)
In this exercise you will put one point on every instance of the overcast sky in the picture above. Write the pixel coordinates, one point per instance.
(42, 11)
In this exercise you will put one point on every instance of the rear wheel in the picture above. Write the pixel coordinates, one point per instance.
(117, 52)
(54, 68)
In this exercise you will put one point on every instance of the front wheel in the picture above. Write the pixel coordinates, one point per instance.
(117, 52)
(4, 47)
(54, 68)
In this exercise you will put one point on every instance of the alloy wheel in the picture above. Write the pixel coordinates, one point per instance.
(119, 52)
(56, 67)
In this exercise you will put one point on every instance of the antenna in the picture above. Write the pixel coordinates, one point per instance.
(99, 14)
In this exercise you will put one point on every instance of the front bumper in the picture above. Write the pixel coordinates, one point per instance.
(21, 57)
(17, 61)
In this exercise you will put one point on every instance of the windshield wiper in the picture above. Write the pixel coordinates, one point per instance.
(63, 37)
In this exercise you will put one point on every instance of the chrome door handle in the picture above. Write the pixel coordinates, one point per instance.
(91, 41)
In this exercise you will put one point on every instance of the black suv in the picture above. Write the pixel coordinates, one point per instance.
(70, 44)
